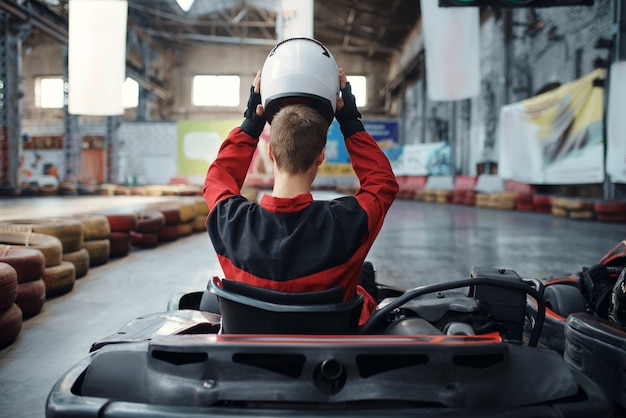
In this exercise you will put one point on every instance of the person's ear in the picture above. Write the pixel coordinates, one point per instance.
(320, 158)
(270, 153)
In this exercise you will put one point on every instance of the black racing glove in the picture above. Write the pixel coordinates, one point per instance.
(349, 117)
(253, 124)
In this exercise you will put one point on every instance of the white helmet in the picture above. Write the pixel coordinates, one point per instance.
(300, 70)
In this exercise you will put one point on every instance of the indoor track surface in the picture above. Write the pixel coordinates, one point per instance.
(420, 243)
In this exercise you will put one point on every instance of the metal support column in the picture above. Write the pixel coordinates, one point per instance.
(72, 139)
(11, 35)
(145, 95)
(111, 146)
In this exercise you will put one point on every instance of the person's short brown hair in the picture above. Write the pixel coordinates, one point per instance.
(297, 136)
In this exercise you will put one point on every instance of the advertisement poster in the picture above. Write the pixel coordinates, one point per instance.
(556, 137)
(199, 142)
(421, 159)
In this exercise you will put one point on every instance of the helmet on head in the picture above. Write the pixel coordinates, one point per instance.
(300, 70)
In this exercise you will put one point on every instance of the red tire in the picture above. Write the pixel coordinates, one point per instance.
(8, 285)
(31, 297)
(141, 240)
(120, 244)
(122, 222)
(611, 217)
(610, 206)
(542, 200)
(10, 325)
(150, 222)
(169, 233)
(525, 207)
(28, 263)
(171, 213)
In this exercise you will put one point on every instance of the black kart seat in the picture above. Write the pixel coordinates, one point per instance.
(248, 309)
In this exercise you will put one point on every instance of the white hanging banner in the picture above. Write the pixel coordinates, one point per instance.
(452, 48)
(296, 19)
(96, 56)
(616, 124)
(556, 137)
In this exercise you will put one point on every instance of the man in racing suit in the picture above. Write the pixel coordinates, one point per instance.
(289, 242)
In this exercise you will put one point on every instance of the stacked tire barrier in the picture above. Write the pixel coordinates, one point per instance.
(43, 258)
(120, 241)
(611, 210)
(146, 232)
(96, 232)
(29, 265)
(202, 211)
(10, 312)
(573, 208)
(59, 278)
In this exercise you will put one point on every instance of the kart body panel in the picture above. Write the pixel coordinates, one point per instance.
(429, 352)
(596, 348)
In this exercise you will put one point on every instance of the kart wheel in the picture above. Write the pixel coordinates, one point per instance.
(564, 299)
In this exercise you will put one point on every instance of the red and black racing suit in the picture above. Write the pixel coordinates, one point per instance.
(297, 244)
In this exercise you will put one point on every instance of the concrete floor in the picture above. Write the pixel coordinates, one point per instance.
(420, 243)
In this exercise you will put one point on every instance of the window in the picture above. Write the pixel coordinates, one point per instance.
(130, 93)
(49, 92)
(359, 89)
(215, 90)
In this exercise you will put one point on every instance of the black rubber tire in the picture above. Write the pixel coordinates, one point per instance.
(31, 297)
(169, 233)
(564, 299)
(10, 325)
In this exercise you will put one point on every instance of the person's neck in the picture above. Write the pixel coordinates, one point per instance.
(290, 185)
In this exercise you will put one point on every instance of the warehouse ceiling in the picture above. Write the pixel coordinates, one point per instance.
(374, 27)
(377, 28)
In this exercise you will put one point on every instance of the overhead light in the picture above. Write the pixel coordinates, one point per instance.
(185, 4)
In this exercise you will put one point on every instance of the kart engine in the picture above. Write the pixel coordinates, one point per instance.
(484, 308)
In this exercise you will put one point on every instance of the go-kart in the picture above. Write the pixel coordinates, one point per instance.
(587, 291)
(454, 349)
(577, 325)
